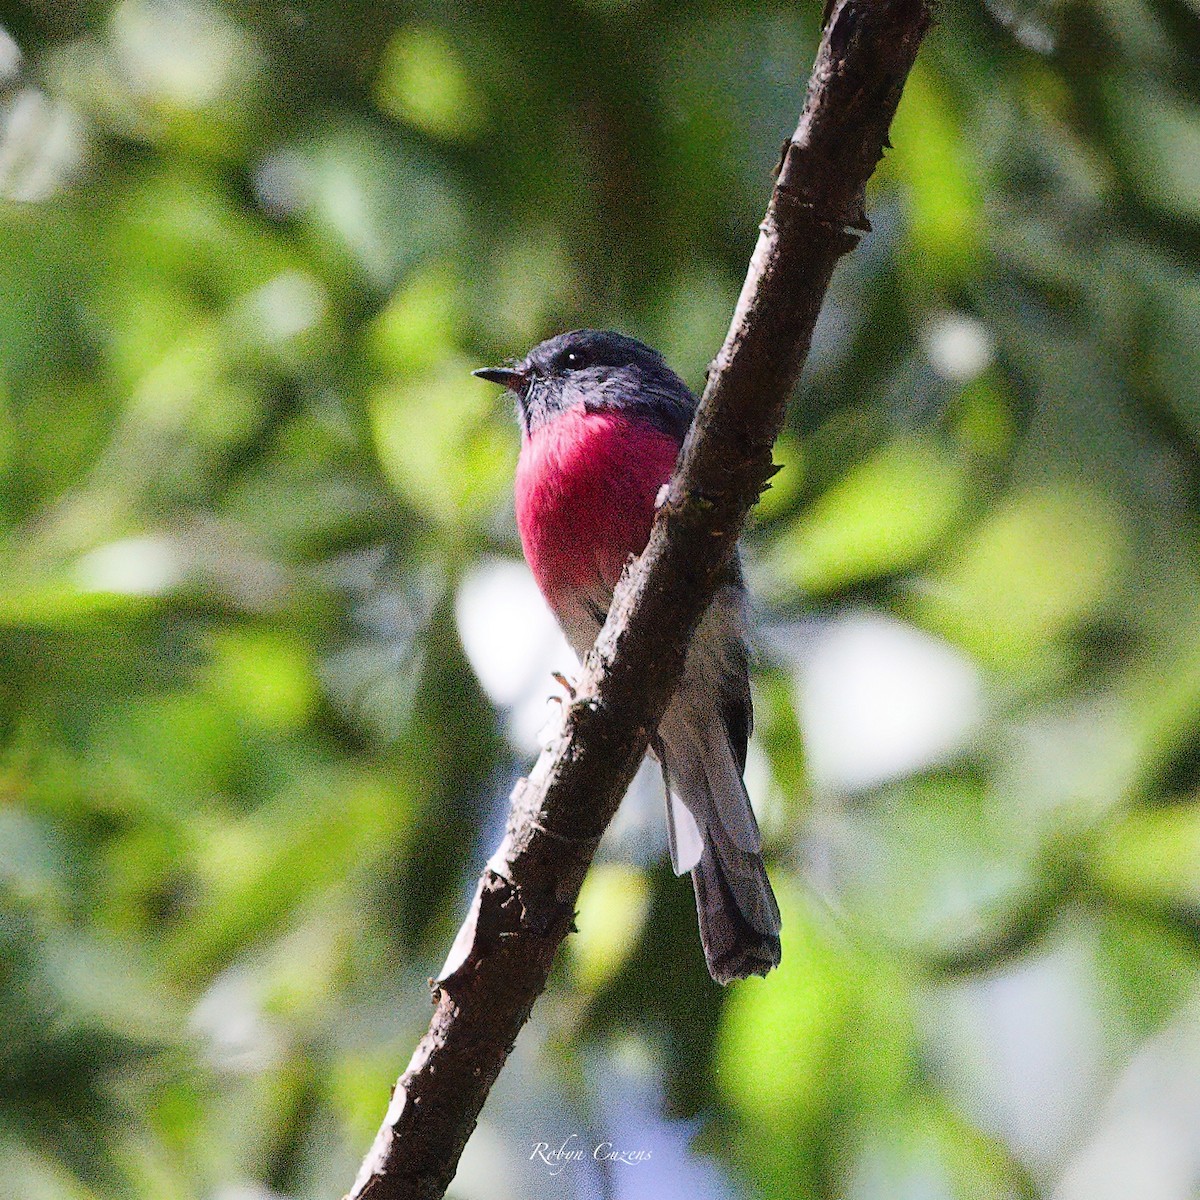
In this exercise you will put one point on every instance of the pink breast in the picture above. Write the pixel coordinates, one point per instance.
(586, 487)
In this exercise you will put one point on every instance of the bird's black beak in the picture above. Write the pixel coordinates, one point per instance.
(507, 377)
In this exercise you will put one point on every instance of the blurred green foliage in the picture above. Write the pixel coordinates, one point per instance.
(250, 499)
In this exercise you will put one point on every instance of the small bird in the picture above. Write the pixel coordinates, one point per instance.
(602, 420)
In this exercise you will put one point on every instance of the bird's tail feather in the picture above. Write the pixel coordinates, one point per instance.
(737, 911)
(701, 742)
(738, 915)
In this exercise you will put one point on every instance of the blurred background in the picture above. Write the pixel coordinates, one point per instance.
(270, 662)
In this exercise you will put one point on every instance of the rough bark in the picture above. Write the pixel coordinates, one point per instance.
(526, 897)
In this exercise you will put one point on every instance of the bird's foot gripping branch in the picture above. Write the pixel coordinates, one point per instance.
(525, 900)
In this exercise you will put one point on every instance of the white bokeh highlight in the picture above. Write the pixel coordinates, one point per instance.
(180, 53)
(959, 347)
(137, 566)
(10, 57)
(880, 699)
(513, 644)
(1147, 1141)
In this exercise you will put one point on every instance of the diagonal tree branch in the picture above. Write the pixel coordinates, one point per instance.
(526, 898)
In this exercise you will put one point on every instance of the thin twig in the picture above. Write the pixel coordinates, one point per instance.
(525, 903)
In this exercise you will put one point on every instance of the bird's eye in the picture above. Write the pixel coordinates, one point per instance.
(572, 360)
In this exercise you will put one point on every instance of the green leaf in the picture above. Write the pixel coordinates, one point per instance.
(884, 516)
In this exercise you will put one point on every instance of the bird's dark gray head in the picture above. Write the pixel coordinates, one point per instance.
(597, 369)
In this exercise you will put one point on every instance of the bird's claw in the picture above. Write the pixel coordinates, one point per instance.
(563, 682)
(555, 722)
